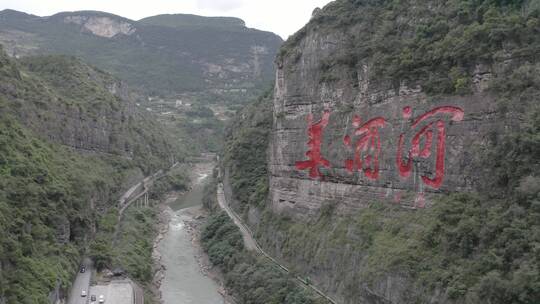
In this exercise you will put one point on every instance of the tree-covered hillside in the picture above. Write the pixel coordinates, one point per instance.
(70, 139)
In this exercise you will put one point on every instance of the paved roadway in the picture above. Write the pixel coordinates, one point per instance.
(116, 292)
(82, 282)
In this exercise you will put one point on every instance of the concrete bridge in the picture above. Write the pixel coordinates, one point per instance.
(139, 190)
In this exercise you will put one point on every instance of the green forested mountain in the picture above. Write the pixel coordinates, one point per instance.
(474, 244)
(161, 54)
(70, 139)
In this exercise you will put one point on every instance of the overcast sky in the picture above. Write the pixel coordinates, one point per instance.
(283, 17)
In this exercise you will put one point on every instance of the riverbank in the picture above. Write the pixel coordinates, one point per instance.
(195, 227)
(182, 271)
(163, 226)
(158, 268)
(164, 218)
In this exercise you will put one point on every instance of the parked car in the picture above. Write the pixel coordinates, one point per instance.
(83, 293)
(93, 298)
(101, 299)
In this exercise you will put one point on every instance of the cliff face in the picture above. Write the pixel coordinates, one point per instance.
(403, 142)
(374, 136)
(368, 132)
(100, 126)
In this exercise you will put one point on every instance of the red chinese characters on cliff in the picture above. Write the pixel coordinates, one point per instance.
(426, 124)
(425, 138)
(366, 148)
(315, 159)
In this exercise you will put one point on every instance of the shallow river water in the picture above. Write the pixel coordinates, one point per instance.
(183, 282)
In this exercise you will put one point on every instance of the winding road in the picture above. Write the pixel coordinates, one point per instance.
(251, 244)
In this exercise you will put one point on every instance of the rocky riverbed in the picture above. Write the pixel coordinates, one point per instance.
(183, 272)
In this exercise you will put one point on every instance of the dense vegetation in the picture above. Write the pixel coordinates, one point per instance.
(175, 180)
(200, 129)
(133, 250)
(209, 199)
(64, 100)
(44, 218)
(469, 247)
(245, 149)
(52, 196)
(252, 279)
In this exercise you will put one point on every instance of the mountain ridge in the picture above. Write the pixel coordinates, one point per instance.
(167, 59)
(176, 20)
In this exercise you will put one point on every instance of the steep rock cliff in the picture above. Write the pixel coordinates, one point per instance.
(403, 151)
(436, 110)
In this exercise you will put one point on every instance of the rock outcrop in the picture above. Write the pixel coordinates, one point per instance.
(381, 141)
(102, 26)
(353, 135)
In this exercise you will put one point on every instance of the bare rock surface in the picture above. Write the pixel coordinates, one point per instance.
(462, 123)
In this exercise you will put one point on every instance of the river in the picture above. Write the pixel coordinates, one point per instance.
(183, 281)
